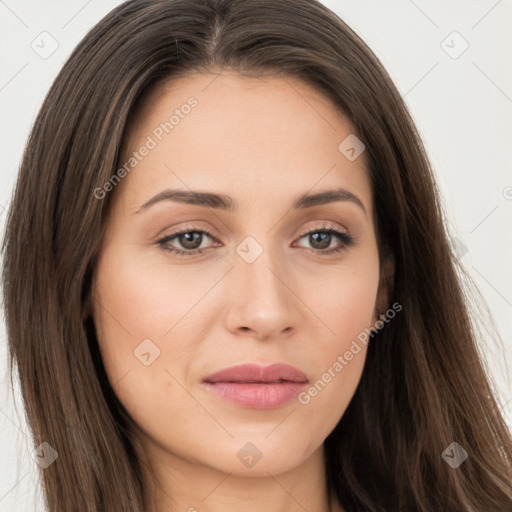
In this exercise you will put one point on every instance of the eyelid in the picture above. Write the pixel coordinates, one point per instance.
(325, 226)
(211, 231)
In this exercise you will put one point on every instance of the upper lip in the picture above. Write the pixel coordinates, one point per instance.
(254, 373)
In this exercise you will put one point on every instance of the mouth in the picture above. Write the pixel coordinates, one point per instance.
(257, 387)
(253, 373)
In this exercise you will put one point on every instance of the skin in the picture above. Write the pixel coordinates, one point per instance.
(264, 142)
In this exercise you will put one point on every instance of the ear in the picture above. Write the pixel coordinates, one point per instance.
(386, 281)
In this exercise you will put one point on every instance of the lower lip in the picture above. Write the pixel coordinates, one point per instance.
(256, 395)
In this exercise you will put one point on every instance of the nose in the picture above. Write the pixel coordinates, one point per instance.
(261, 301)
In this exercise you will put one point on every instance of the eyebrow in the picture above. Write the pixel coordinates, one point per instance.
(225, 202)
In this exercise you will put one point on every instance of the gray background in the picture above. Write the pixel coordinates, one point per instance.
(461, 101)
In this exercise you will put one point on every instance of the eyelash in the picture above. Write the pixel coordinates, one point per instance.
(346, 240)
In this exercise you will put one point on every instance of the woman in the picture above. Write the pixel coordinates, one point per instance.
(228, 283)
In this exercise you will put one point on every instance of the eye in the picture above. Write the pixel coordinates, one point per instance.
(321, 238)
(191, 240)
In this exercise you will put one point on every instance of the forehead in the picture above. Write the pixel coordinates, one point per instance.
(245, 136)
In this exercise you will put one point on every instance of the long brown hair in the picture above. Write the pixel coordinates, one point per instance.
(423, 386)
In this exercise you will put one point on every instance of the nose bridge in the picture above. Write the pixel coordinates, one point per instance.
(259, 265)
(262, 299)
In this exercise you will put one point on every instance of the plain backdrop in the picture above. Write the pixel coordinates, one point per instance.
(450, 60)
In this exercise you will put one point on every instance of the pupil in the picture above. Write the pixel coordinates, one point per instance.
(189, 240)
(325, 240)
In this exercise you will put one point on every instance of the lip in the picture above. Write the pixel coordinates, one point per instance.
(257, 387)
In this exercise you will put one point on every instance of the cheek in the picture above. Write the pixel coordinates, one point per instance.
(344, 300)
(144, 297)
(136, 299)
(148, 318)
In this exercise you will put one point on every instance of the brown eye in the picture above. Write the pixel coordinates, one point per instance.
(188, 242)
(321, 238)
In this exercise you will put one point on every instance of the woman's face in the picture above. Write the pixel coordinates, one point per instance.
(271, 284)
